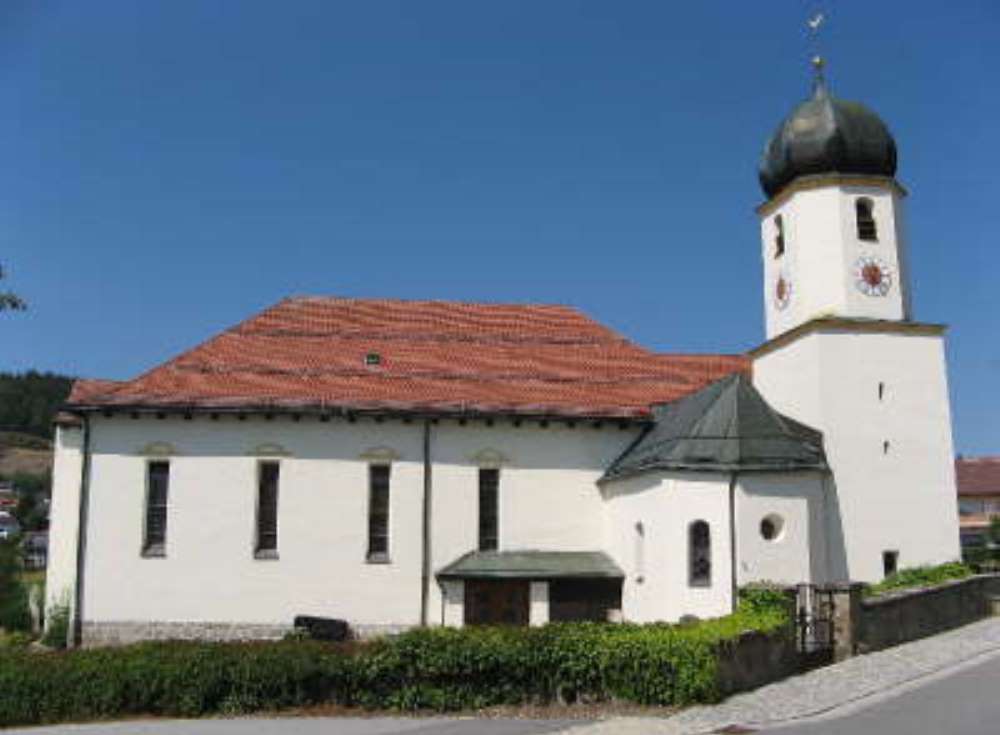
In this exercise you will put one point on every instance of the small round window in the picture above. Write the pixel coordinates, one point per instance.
(771, 527)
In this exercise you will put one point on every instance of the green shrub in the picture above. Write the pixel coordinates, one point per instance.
(57, 626)
(920, 577)
(14, 612)
(442, 669)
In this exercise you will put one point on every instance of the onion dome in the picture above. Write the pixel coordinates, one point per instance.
(826, 135)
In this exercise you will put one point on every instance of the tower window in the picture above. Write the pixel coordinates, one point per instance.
(863, 209)
(699, 554)
(779, 236)
(890, 562)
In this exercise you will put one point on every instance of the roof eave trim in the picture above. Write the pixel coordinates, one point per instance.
(639, 419)
(712, 467)
(845, 324)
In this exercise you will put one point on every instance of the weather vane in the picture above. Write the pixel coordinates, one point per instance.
(814, 24)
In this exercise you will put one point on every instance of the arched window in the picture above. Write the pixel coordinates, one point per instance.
(863, 209)
(779, 237)
(699, 554)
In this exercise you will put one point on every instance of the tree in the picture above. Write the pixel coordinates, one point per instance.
(10, 301)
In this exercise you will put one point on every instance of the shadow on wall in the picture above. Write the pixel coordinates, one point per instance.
(836, 546)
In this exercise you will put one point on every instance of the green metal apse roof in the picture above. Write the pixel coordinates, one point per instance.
(725, 427)
(532, 565)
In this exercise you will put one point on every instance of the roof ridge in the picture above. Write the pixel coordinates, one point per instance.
(333, 298)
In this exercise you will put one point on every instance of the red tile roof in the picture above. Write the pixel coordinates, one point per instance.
(434, 356)
(978, 475)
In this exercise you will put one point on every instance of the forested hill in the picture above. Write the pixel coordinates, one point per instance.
(29, 401)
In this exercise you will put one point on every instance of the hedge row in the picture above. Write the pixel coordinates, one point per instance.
(438, 669)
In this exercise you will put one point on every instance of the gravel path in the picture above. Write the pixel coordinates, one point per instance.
(821, 690)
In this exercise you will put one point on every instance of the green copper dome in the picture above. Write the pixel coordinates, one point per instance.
(825, 135)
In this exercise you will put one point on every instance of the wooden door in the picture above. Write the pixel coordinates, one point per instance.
(496, 602)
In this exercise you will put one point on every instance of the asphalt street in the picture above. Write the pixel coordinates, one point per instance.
(966, 702)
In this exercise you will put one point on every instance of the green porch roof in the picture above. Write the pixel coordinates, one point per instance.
(532, 565)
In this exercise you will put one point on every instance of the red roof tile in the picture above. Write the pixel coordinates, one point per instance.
(433, 356)
(978, 475)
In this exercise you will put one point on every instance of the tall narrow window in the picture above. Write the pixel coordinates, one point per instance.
(378, 512)
(489, 485)
(267, 510)
(863, 209)
(779, 236)
(157, 485)
(699, 554)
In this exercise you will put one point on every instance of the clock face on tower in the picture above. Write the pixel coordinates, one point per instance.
(872, 277)
(782, 291)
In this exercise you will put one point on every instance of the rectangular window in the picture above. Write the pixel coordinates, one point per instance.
(489, 487)
(890, 562)
(267, 509)
(157, 483)
(378, 512)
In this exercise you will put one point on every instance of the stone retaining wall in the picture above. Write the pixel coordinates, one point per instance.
(756, 659)
(894, 618)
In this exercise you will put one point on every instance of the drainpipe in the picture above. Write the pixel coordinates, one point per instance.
(733, 557)
(425, 571)
(76, 630)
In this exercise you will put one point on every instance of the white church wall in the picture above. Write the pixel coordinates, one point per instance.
(209, 572)
(548, 496)
(60, 578)
(548, 500)
(654, 555)
(892, 456)
(795, 504)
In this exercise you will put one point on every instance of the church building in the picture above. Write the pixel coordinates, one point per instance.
(405, 463)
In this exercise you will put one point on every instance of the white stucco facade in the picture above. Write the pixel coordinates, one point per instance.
(550, 500)
(822, 251)
(881, 400)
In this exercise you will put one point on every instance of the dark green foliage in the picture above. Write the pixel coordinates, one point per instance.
(57, 627)
(29, 401)
(14, 612)
(438, 669)
(920, 577)
(763, 597)
(30, 509)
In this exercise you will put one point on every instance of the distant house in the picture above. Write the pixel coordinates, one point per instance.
(978, 481)
(8, 495)
(35, 549)
(9, 527)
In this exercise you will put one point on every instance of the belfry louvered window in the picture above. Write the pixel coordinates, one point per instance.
(157, 488)
(267, 509)
(489, 496)
(864, 210)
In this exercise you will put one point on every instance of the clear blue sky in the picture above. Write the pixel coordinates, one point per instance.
(169, 168)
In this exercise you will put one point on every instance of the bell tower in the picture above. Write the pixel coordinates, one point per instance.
(843, 352)
(832, 234)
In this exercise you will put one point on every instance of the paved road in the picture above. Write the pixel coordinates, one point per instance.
(966, 702)
(312, 726)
